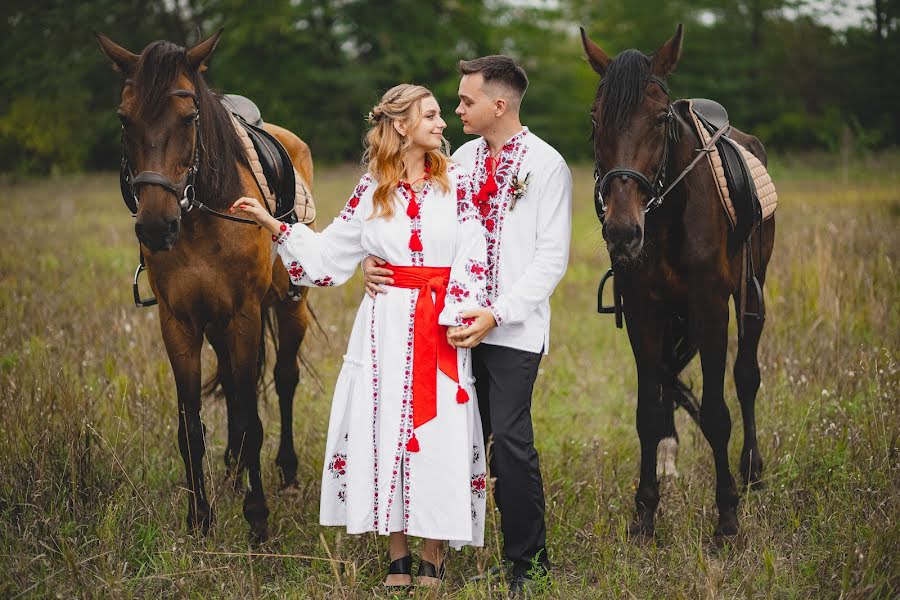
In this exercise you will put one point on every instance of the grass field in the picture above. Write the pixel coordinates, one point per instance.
(92, 502)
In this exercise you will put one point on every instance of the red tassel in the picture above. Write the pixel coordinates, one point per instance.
(415, 244)
(412, 211)
(461, 395)
(413, 444)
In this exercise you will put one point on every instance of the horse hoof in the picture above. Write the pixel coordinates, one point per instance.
(727, 528)
(200, 522)
(640, 533)
(259, 534)
(291, 490)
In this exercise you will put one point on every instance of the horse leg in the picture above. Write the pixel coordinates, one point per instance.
(242, 336)
(183, 343)
(709, 314)
(746, 380)
(643, 332)
(234, 462)
(667, 449)
(292, 322)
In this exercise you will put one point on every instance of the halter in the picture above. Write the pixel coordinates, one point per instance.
(654, 189)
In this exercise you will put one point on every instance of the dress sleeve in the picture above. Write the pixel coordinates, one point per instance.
(329, 257)
(465, 291)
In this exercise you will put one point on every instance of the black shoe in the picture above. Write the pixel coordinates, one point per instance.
(491, 573)
(522, 587)
(426, 569)
(401, 566)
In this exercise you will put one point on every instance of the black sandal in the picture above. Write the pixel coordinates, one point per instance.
(401, 566)
(427, 569)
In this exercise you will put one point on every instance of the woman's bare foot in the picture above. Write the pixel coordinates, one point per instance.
(398, 549)
(433, 553)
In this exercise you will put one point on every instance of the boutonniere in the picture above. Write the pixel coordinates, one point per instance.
(518, 188)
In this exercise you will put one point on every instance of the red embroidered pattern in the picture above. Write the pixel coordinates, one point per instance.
(417, 256)
(465, 205)
(373, 352)
(479, 485)
(338, 465)
(350, 208)
(406, 427)
(494, 212)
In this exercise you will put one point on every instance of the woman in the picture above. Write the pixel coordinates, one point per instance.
(404, 454)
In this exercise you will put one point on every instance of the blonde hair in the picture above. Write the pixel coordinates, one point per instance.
(385, 147)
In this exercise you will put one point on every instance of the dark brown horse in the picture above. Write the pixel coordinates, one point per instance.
(674, 267)
(211, 276)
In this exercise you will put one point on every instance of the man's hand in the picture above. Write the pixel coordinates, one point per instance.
(375, 275)
(471, 336)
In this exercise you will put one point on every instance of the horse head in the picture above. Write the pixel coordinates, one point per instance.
(632, 120)
(160, 114)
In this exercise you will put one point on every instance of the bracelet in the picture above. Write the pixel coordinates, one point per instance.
(283, 233)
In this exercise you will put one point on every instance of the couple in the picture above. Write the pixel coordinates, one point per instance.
(460, 255)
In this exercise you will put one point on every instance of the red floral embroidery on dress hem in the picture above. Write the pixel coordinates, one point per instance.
(479, 485)
(338, 465)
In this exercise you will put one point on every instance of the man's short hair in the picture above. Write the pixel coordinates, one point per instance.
(498, 69)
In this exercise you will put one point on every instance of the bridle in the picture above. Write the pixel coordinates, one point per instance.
(184, 189)
(652, 188)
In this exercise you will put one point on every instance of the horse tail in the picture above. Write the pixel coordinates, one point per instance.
(213, 384)
(679, 348)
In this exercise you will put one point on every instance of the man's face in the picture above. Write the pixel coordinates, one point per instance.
(476, 108)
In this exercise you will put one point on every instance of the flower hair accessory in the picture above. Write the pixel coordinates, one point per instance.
(370, 118)
(518, 188)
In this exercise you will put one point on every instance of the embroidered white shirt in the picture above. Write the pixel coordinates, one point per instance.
(527, 237)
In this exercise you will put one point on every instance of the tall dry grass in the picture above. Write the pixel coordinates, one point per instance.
(91, 488)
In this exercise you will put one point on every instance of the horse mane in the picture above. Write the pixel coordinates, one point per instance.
(218, 181)
(622, 89)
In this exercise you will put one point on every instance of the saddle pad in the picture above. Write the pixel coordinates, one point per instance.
(304, 205)
(765, 188)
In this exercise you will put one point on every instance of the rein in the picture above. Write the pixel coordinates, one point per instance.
(184, 189)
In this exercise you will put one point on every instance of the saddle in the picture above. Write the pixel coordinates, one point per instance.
(745, 188)
(287, 195)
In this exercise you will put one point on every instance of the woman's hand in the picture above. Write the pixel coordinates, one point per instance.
(257, 212)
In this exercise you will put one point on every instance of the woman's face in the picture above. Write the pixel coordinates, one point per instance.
(428, 132)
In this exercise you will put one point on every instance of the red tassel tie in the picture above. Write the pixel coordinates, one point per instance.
(412, 211)
(413, 444)
(461, 395)
(415, 244)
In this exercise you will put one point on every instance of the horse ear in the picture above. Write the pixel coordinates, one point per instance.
(597, 58)
(199, 54)
(122, 59)
(665, 59)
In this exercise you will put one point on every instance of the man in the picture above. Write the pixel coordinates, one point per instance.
(523, 196)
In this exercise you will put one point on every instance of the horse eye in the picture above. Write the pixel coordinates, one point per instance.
(124, 120)
(189, 120)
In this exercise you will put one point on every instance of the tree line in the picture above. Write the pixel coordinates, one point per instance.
(317, 66)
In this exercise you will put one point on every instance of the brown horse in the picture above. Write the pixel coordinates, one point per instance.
(211, 276)
(674, 267)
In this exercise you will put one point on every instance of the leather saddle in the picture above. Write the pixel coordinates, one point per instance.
(741, 187)
(274, 158)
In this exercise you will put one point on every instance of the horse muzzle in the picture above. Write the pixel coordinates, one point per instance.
(159, 235)
(623, 241)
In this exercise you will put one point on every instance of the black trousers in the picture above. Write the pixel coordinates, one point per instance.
(504, 380)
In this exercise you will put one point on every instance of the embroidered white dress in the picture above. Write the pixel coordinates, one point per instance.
(370, 481)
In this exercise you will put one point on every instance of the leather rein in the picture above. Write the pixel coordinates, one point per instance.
(656, 190)
(184, 189)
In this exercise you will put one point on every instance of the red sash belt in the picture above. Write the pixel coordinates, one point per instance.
(431, 351)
